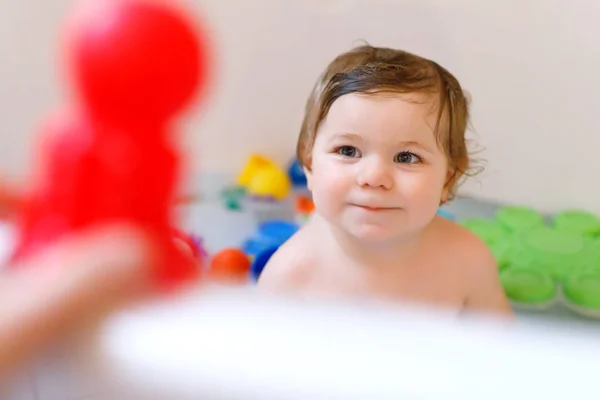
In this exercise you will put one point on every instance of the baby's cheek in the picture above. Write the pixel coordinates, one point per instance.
(329, 194)
(422, 190)
(327, 191)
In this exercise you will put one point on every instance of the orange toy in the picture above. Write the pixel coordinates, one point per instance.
(304, 205)
(230, 266)
(304, 209)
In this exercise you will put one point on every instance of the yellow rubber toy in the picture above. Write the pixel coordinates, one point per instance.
(263, 178)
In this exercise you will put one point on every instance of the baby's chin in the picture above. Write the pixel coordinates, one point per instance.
(375, 233)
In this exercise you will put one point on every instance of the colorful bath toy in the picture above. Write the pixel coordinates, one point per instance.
(230, 266)
(263, 178)
(233, 197)
(442, 212)
(269, 183)
(304, 208)
(579, 222)
(255, 163)
(297, 175)
(278, 231)
(519, 218)
(528, 287)
(253, 246)
(557, 253)
(260, 261)
(581, 293)
(268, 235)
(537, 260)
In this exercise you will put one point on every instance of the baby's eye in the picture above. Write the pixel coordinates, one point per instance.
(347, 151)
(406, 157)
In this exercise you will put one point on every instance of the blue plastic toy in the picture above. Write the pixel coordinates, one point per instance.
(296, 175)
(445, 213)
(269, 234)
(260, 261)
(277, 230)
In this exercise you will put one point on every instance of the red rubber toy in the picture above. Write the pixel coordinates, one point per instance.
(134, 66)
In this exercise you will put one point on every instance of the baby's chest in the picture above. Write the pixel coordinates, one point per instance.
(419, 283)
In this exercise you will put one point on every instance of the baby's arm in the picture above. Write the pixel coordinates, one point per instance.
(485, 291)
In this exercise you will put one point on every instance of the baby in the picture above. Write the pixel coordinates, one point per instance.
(383, 145)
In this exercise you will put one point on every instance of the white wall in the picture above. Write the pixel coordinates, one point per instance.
(531, 67)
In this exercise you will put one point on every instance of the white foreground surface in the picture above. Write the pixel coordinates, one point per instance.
(221, 330)
(235, 345)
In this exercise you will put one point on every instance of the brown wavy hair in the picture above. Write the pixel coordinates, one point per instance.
(371, 70)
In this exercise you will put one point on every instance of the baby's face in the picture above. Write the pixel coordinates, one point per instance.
(377, 171)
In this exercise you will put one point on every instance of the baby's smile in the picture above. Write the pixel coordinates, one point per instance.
(374, 208)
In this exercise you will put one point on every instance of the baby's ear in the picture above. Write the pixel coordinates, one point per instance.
(444, 196)
(308, 174)
(450, 181)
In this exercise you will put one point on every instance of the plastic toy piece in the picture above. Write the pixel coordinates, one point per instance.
(304, 208)
(233, 197)
(442, 212)
(277, 232)
(528, 286)
(554, 252)
(557, 243)
(262, 178)
(270, 183)
(270, 234)
(518, 218)
(583, 291)
(230, 266)
(134, 66)
(577, 221)
(255, 163)
(297, 175)
(261, 260)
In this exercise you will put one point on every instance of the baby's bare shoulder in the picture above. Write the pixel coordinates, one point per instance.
(466, 247)
(288, 266)
(473, 260)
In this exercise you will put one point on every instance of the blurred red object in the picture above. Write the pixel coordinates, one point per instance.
(135, 61)
(189, 243)
(134, 65)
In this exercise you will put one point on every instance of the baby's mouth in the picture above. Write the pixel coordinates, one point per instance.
(374, 208)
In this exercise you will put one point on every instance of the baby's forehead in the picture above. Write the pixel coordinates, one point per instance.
(383, 115)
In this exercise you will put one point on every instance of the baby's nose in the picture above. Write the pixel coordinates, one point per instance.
(375, 174)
